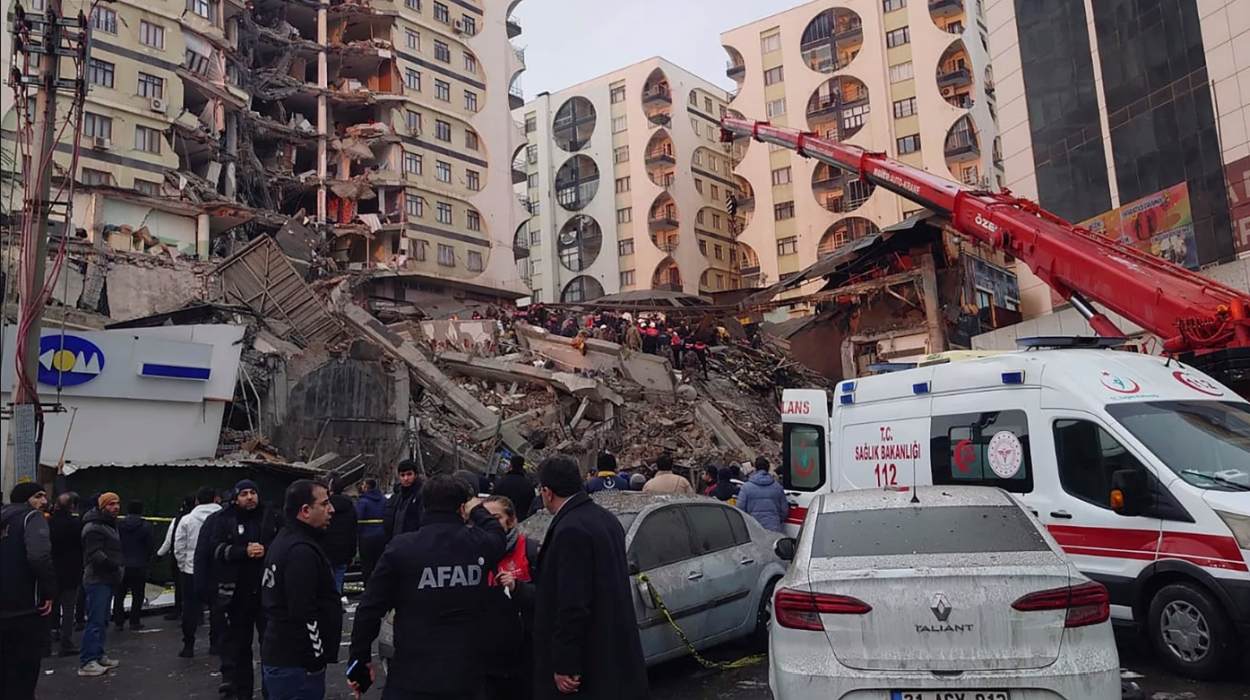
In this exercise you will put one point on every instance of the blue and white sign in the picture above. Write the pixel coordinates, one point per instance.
(68, 360)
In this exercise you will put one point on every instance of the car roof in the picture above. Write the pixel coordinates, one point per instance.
(618, 503)
(928, 497)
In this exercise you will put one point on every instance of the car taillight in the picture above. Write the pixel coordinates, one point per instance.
(1087, 604)
(799, 610)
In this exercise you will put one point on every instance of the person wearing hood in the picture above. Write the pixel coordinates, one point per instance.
(509, 616)
(725, 489)
(103, 565)
(65, 526)
(339, 540)
(517, 486)
(763, 498)
(136, 536)
(607, 479)
(371, 537)
(403, 510)
(186, 537)
(27, 589)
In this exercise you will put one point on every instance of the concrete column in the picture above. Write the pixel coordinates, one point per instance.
(323, 116)
(230, 184)
(203, 236)
(932, 307)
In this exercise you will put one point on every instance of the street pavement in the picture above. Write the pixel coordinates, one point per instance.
(150, 668)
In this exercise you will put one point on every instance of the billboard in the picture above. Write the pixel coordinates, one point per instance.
(1237, 173)
(1161, 224)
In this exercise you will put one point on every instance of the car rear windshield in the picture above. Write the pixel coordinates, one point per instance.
(920, 530)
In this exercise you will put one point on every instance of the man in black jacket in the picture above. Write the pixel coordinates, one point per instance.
(27, 588)
(304, 617)
(584, 609)
(517, 486)
(65, 527)
(403, 510)
(136, 536)
(339, 541)
(103, 564)
(436, 582)
(240, 535)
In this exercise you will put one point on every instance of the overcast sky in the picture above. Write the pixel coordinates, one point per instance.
(568, 41)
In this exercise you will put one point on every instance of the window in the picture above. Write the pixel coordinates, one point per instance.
(618, 94)
(770, 43)
(532, 181)
(442, 90)
(414, 206)
(147, 140)
(625, 246)
(470, 62)
(908, 532)
(151, 86)
(908, 144)
(783, 211)
(413, 40)
(470, 101)
(97, 126)
(694, 124)
(716, 221)
(531, 153)
(719, 251)
(892, 5)
(1087, 456)
(473, 221)
(95, 177)
(471, 140)
(968, 449)
(442, 171)
(413, 5)
(698, 185)
(148, 187)
(104, 20)
(203, 8)
(441, 14)
(898, 37)
(417, 249)
(100, 73)
(443, 213)
(446, 255)
(412, 163)
(624, 216)
(707, 104)
(531, 123)
(710, 525)
(442, 130)
(442, 52)
(620, 154)
(469, 24)
(618, 124)
(151, 34)
(698, 219)
(662, 539)
(772, 76)
(622, 185)
(781, 176)
(803, 455)
(413, 121)
(900, 72)
(1203, 441)
(474, 261)
(904, 108)
(412, 79)
(697, 158)
(473, 180)
(627, 278)
(776, 108)
(715, 193)
(788, 245)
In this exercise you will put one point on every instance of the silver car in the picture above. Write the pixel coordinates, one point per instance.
(941, 592)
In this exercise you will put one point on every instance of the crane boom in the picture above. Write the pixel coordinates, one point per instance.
(1188, 311)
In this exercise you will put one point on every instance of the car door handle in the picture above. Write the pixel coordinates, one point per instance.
(746, 561)
(694, 576)
(1063, 514)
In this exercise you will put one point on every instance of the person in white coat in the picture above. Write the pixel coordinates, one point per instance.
(185, 538)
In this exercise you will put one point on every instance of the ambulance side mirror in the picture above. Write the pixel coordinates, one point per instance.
(1130, 492)
(785, 548)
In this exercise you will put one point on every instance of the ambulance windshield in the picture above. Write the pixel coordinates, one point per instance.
(1207, 443)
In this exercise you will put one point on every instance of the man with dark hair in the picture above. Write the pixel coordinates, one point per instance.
(188, 557)
(517, 486)
(167, 548)
(436, 581)
(665, 481)
(136, 536)
(339, 541)
(241, 534)
(304, 616)
(27, 589)
(584, 609)
(370, 506)
(403, 511)
(607, 479)
(65, 527)
(103, 565)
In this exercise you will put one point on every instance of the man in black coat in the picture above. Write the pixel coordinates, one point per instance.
(584, 609)
(517, 486)
(65, 527)
(136, 536)
(339, 541)
(436, 581)
(403, 510)
(27, 588)
(304, 616)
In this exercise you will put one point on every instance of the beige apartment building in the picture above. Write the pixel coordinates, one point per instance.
(626, 183)
(909, 78)
(383, 125)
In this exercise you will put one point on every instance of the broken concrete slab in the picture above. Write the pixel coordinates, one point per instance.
(496, 370)
(651, 372)
(714, 420)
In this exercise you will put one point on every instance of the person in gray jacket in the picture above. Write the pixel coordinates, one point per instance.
(763, 497)
(103, 565)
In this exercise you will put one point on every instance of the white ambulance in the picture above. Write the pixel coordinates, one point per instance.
(1139, 467)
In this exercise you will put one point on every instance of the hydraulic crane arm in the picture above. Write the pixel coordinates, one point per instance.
(1187, 310)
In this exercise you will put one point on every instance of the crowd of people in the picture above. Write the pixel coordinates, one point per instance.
(445, 554)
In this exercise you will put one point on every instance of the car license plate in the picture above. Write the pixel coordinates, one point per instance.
(950, 695)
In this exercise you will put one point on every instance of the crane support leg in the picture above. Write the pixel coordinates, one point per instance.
(1102, 325)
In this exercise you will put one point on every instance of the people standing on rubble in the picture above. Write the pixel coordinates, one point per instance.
(241, 534)
(675, 345)
(303, 613)
(403, 510)
(65, 529)
(583, 613)
(569, 328)
(606, 478)
(186, 537)
(136, 537)
(633, 338)
(102, 573)
(339, 541)
(516, 486)
(371, 506)
(665, 481)
(650, 338)
(27, 589)
(435, 579)
(167, 548)
(763, 498)
(508, 629)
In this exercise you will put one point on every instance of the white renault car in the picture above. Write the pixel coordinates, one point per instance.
(936, 593)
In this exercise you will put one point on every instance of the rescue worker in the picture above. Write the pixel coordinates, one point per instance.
(584, 612)
(507, 635)
(403, 511)
(649, 338)
(186, 537)
(102, 573)
(241, 534)
(665, 481)
(516, 486)
(607, 479)
(675, 345)
(435, 579)
(27, 589)
(633, 338)
(304, 617)
(371, 536)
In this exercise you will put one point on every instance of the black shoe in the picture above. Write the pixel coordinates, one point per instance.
(68, 651)
(188, 651)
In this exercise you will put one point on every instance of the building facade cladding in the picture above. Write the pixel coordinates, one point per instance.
(931, 102)
(610, 177)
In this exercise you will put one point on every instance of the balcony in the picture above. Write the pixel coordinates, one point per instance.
(746, 203)
(849, 33)
(514, 29)
(661, 157)
(735, 72)
(959, 145)
(663, 221)
(668, 286)
(960, 77)
(518, 171)
(657, 94)
(516, 99)
(945, 8)
(827, 182)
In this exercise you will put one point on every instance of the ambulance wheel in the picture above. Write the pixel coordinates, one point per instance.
(1190, 631)
(764, 616)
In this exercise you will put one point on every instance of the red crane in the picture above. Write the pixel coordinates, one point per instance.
(1188, 311)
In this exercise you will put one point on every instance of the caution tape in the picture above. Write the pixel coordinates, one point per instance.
(371, 522)
(681, 634)
(157, 519)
